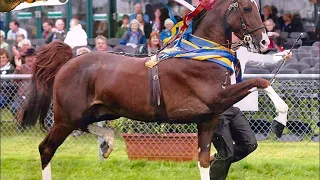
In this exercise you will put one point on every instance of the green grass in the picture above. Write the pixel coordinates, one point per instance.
(77, 159)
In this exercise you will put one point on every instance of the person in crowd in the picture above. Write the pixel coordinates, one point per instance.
(101, 43)
(15, 48)
(5, 68)
(59, 33)
(317, 24)
(15, 29)
(30, 57)
(166, 32)
(48, 29)
(273, 35)
(234, 138)
(123, 27)
(76, 36)
(163, 17)
(134, 36)
(152, 46)
(82, 50)
(156, 22)
(145, 27)
(275, 17)
(266, 13)
(289, 25)
(22, 48)
(3, 44)
(138, 9)
(149, 12)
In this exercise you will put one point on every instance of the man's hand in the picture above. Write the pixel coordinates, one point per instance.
(287, 55)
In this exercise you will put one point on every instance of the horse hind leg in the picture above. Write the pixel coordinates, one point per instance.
(107, 135)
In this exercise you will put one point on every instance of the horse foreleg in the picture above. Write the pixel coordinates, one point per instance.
(234, 93)
(282, 110)
(49, 145)
(205, 134)
(105, 133)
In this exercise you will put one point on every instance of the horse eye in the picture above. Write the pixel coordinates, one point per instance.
(247, 9)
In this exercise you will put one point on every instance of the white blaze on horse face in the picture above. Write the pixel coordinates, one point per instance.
(204, 172)
(255, 4)
(46, 173)
(264, 43)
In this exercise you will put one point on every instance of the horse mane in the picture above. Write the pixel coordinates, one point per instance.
(45, 68)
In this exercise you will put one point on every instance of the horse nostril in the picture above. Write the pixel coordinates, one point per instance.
(263, 42)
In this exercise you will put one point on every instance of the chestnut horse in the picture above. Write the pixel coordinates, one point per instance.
(102, 86)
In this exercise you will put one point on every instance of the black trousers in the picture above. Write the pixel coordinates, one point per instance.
(233, 141)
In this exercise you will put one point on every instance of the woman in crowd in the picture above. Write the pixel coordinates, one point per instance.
(152, 46)
(266, 13)
(273, 35)
(156, 22)
(3, 44)
(134, 36)
(124, 26)
(289, 25)
(5, 68)
(166, 32)
(145, 27)
(30, 57)
(22, 48)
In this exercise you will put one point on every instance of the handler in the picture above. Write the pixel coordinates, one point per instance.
(234, 126)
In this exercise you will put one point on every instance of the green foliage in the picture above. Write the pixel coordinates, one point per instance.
(126, 125)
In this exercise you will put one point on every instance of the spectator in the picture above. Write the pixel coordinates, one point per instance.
(15, 48)
(167, 32)
(275, 17)
(317, 24)
(47, 30)
(138, 9)
(101, 43)
(134, 36)
(156, 22)
(59, 33)
(5, 68)
(163, 17)
(82, 50)
(273, 34)
(149, 12)
(123, 27)
(76, 36)
(3, 44)
(15, 29)
(289, 26)
(30, 57)
(145, 27)
(23, 46)
(152, 46)
(266, 13)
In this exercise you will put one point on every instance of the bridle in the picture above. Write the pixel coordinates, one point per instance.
(246, 33)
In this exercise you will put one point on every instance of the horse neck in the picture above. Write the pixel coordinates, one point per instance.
(212, 28)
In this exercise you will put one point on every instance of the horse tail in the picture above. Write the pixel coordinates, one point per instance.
(49, 60)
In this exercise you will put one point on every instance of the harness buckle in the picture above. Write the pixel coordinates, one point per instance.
(247, 39)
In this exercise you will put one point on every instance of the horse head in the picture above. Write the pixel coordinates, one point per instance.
(239, 16)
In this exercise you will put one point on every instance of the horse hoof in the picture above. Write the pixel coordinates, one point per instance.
(106, 150)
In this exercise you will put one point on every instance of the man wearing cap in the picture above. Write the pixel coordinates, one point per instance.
(29, 56)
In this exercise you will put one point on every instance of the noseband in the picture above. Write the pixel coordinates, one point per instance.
(247, 34)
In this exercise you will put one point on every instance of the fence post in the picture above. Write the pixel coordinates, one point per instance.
(100, 141)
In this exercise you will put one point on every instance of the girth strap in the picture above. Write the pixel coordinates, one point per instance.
(156, 96)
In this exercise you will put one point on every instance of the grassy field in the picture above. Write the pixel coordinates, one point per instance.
(77, 159)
